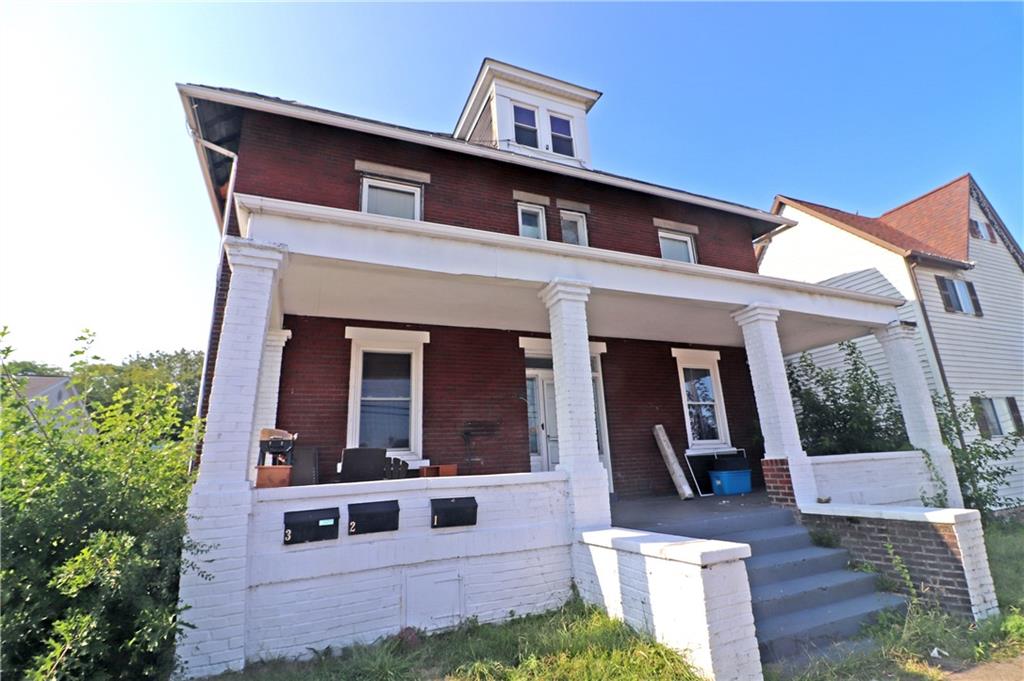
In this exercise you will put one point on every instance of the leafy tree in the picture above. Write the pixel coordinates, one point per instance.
(93, 527)
(845, 411)
(29, 368)
(983, 465)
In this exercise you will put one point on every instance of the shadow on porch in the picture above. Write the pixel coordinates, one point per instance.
(704, 517)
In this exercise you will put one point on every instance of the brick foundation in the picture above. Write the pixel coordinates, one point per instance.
(932, 552)
(777, 482)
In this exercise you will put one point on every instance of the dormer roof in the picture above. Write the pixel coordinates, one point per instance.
(492, 69)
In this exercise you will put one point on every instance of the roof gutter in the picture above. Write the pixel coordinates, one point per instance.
(458, 146)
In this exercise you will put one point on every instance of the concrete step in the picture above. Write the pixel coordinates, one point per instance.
(715, 525)
(771, 539)
(784, 565)
(791, 595)
(794, 633)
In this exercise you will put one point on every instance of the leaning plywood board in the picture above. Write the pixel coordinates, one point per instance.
(672, 463)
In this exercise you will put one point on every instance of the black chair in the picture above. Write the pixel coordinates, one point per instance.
(395, 469)
(305, 465)
(360, 464)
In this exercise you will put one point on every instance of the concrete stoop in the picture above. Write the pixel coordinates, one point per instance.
(804, 597)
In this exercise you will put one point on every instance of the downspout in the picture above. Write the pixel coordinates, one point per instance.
(912, 269)
(228, 202)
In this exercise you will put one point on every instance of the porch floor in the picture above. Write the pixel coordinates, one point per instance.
(705, 517)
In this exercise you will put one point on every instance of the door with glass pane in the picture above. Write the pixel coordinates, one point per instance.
(541, 420)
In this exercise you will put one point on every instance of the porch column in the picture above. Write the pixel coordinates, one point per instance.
(574, 403)
(774, 403)
(220, 503)
(267, 391)
(897, 341)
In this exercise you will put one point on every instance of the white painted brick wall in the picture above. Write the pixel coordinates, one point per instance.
(356, 588)
(690, 594)
(971, 537)
(899, 478)
(267, 391)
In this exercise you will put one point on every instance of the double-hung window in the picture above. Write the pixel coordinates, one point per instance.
(997, 416)
(394, 199)
(525, 120)
(574, 228)
(531, 221)
(386, 390)
(677, 246)
(958, 296)
(703, 405)
(561, 135)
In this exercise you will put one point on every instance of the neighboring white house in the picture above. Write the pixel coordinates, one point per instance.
(950, 256)
(53, 392)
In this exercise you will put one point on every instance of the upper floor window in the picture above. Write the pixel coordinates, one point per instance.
(675, 246)
(526, 125)
(574, 228)
(394, 199)
(561, 136)
(531, 221)
(982, 230)
(997, 416)
(959, 296)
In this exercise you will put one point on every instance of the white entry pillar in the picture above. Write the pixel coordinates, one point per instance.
(267, 391)
(574, 403)
(759, 324)
(221, 500)
(897, 340)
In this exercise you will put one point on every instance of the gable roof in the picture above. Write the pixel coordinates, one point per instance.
(933, 226)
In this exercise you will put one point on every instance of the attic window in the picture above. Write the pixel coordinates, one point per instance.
(526, 125)
(982, 230)
(561, 136)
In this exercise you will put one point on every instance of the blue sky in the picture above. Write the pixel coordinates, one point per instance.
(104, 221)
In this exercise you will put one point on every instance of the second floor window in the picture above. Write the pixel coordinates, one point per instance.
(526, 125)
(997, 416)
(531, 221)
(561, 136)
(675, 246)
(959, 296)
(574, 228)
(393, 199)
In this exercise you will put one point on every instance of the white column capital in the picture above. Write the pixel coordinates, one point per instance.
(278, 337)
(256, 254)
(559, 290)
(756, 313)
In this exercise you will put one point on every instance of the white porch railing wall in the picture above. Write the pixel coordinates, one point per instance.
(888, 478)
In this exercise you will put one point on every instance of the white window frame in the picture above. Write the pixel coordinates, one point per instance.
(388, 341)
(581, 225)
(703, 359)
(536, 124)
(543, 219)
(963, 295)
(414, 189)
(678, 236)
(572, 133)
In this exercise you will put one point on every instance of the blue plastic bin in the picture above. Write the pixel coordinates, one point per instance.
(728, 483)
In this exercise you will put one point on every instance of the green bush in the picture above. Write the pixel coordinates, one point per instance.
(93, 512)
(847, 411)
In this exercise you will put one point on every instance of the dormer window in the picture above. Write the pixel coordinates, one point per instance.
(561, 136)
(526, 125)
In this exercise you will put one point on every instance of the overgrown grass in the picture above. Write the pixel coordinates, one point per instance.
(905, 643)
(576, 642)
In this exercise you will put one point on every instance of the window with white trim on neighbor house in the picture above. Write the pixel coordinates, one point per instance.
(394, 199)
(677, 246)
(959, 296)
(525, 120)
(531, 221)
(574, 228)
(997, 416)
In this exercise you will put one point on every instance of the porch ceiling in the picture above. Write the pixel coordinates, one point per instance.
(329, 287)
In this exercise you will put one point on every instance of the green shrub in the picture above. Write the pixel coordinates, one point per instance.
(93, 516)
(845, 411)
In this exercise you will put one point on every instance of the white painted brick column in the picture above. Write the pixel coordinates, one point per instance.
(267, 391)
(221, 501)
(759, 324)
(574, 403)
(897, 340)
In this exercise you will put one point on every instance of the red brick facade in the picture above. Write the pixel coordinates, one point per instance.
(479, 375)
(777, 482)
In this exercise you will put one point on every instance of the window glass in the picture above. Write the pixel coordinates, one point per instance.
(525, 125)
(700, 403)
(530, 222)
(532, 416)
(384, 410)
(676, 248)
(561, 136)
(985, 413)
(396, 203)
(574, 229)
(963, 296)
(561, 126)
(1004, 417)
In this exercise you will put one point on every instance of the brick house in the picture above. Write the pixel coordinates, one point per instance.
(486, 298)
